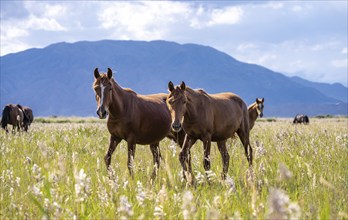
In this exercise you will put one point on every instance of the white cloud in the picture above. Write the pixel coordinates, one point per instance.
(230, 15)
(46, 24)
(142, 20)
(344, 50)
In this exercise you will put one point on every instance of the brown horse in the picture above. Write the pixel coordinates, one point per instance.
(255, 110)
(12, 115)
(208, 117)
(137, 119)
(28, 116)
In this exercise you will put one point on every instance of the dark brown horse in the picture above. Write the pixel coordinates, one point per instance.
(28, 116)
(208, 117)
(13, 115)
(301, 119)
(255, 110)
(137, 119)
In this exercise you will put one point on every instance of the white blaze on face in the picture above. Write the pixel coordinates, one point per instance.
(102, 88)
(258, 109)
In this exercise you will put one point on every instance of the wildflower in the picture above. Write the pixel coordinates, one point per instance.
(260, 150)
(18, 181)
(82, 186)
(37, 172)
(188, 207)
(280, 206)
(231, 184)
(172, 147)
(141, 195)
(125, 208)
(200, 177)
(285, 173)
(36, 191)
(161, 198)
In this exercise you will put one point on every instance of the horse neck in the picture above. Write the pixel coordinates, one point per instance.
(116, 106)
(252, 111)
(194, 100)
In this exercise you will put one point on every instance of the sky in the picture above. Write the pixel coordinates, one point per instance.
(296, 38)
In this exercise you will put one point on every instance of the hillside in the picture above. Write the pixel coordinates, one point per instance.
(57, 80)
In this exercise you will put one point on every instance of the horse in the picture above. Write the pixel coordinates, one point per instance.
(137, 119)
(28, 116)
(255, 110)
(208, 117)
(12, 115)
(301, 119)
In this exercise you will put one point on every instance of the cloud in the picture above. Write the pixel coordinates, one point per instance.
(228, 16)
(142, 20)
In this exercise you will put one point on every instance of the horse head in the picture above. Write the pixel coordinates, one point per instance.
(103, 90)
(176, 102)
(260, 106)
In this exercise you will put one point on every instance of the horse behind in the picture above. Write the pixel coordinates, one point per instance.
(255, 110)
(301, 119)
(137, 119)
(13, 115)
(208, 117)
(28, 116)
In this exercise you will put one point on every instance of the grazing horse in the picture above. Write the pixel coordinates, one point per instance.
(301, 119)
(137, 119)
(208, 117)
(12, 115)
(255, 110)
(28, 116)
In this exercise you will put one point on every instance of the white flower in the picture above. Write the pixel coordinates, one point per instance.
(231, 184)
(285, 173)
(188, 207)
(125, 208)
(82, 186)
(141, 195)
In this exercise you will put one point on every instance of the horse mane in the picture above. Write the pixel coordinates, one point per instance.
(128, 90)
(251, 106)
(197, 91)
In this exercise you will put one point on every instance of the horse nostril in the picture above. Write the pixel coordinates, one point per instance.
(176, 127)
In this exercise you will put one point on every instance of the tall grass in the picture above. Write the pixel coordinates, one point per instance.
(56, 170)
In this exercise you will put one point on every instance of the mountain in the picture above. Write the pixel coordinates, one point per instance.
(335, 90)
(57, 80)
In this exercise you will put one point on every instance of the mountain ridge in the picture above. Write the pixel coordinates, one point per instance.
(64, 71)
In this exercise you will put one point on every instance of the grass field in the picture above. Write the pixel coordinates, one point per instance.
(57, 171)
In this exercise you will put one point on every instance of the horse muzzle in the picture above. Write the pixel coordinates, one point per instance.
(101, 112)
(176, 126)
(261, 114)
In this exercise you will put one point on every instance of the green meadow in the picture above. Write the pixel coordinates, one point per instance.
(57, 171)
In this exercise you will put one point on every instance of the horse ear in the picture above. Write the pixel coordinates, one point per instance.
(263, 99)
(170, 86)
(109, 73)
(182, 85)
(257, 100)
(96, 73)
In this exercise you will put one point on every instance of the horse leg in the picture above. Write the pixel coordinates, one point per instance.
(244, 138)
(185, 157)
(131, 153)
(156, 158)
(206, 160)
(225, 158)
(112, 146)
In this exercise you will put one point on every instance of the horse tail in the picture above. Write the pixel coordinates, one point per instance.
(5, 116)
